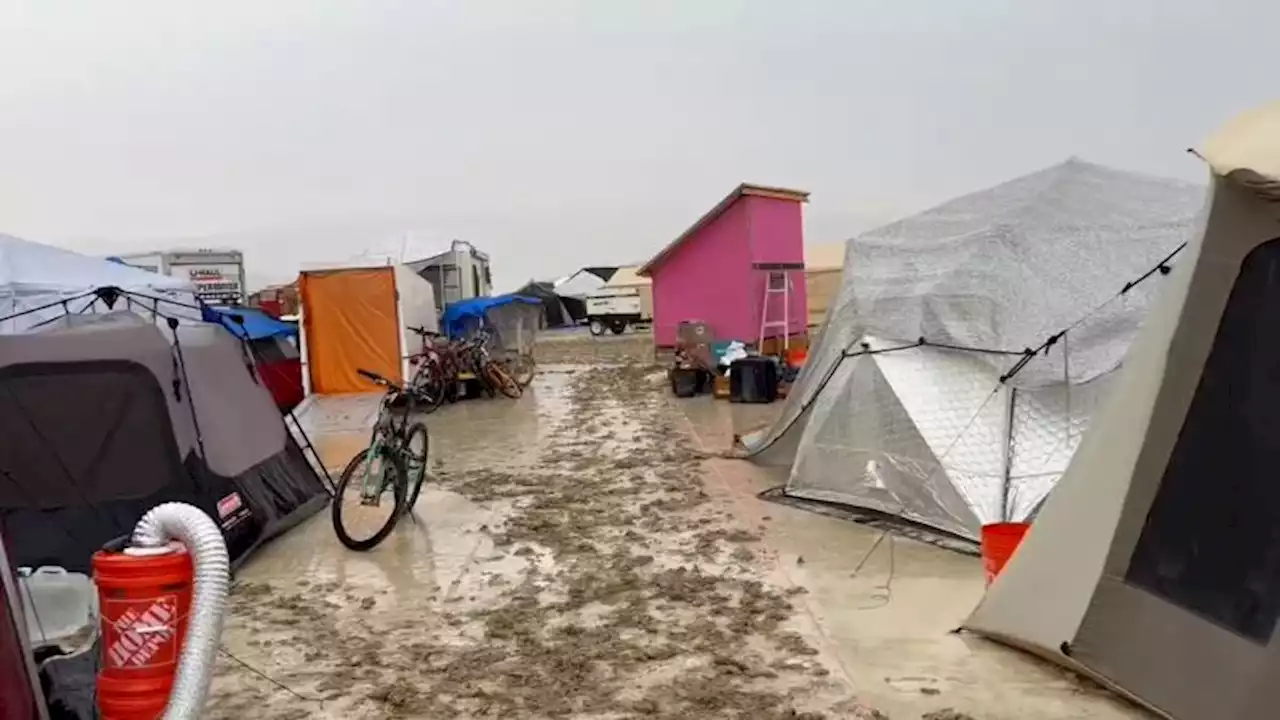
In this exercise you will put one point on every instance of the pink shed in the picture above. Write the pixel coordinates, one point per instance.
(710, 273)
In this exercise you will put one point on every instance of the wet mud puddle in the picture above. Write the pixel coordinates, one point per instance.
(589, 578)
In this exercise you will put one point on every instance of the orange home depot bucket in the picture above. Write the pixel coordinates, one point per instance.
(144, 597)
(999, 540)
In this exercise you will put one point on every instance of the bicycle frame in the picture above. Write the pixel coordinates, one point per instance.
(384, 433)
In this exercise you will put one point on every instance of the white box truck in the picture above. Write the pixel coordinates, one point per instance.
(217, 274)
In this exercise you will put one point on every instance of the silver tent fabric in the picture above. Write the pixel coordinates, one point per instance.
(1005, 268)
(930, 433)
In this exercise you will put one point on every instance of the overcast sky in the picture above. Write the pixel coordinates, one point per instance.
(555, 134)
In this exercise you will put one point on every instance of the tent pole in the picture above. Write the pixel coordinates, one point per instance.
(9, 594)
(1007, 488)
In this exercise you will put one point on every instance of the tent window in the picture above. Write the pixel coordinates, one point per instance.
(274, 349)
(1211, 542)
(91, 431)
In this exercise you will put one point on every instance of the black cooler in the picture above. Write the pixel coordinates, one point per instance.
(753, 380)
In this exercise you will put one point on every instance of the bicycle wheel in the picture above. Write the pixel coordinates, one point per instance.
(524, 370)
(362, 520)
(414, 454)
(428, 384)
(502, 380)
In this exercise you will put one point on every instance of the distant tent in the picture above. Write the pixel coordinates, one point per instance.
(584, 282)
(274, 344)
(1154, 567)
(105, 417)
(42, 282)
(919, 401)
(553, 309)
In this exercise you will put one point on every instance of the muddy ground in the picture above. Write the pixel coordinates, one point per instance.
(609, 586)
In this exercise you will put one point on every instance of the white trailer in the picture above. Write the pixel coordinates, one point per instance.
(614, 309)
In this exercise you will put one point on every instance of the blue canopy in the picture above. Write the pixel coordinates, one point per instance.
(456, 315)
(257, 324)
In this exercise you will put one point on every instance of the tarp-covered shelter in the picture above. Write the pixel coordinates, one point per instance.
(274, 344)
(104, 417)
(919, 402)
(360, 318)
(42, 282)
(1155, 565)
(514, 320)
(554, 312)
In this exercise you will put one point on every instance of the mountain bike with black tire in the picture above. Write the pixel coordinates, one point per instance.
(429, 384)
(385, 478)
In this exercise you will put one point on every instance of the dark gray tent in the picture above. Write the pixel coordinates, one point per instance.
(553, 309)
(104, 417)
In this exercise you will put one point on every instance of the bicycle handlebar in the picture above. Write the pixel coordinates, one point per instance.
(425, 332)
(378, 379)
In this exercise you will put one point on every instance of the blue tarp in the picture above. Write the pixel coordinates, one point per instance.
(257, 324)
(456, 315)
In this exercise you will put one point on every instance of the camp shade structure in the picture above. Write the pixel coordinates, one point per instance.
(514, 319)
(104, 418)
(918, 401)
(41, 282)
(360, 318)
(1155, 565)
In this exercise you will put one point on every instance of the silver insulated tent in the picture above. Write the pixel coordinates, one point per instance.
(971, 344)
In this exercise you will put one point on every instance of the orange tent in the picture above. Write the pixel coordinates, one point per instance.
(359, 318)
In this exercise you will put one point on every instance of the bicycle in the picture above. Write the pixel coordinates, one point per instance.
(492, 373)
(401, 470)
(431, 383)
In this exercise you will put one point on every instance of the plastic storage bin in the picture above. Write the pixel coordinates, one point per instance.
(57, 604)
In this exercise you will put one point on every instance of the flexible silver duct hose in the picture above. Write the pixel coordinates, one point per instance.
(189, 525)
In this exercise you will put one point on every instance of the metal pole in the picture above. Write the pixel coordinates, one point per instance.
(1007, 489)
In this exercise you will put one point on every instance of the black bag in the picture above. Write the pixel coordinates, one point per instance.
(686, 382)
(753, 380)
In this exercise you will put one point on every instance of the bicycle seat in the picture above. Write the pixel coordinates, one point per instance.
(425, 332)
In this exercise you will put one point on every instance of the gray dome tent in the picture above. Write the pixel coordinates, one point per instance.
(920, 400)
(104, 417)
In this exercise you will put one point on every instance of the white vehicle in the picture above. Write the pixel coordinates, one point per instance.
(613, 309)
(218, 274)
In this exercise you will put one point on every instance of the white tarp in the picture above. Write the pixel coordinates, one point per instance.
(930, 433)
(579, 285)
(34, 276)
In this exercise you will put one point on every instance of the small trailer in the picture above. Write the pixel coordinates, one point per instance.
(614, 309)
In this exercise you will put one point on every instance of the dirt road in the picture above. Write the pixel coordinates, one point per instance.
(600, 581)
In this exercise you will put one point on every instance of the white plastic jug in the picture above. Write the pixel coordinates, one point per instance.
(57, 603)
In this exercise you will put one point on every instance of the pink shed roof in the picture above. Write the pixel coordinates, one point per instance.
(715, 212)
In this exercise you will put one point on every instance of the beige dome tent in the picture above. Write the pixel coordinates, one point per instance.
(1155, 565)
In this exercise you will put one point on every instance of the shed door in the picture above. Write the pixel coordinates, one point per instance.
(351, 323)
